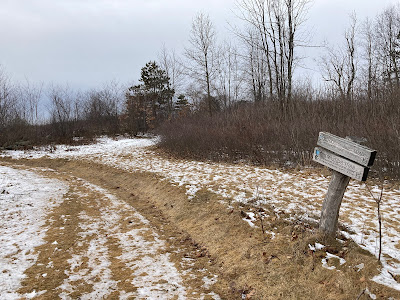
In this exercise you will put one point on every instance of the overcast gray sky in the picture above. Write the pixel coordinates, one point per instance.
(88, 42)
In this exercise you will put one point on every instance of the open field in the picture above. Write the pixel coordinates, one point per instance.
(250, 230)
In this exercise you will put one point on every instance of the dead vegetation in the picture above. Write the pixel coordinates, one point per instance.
(250, 263)
(261, 133)
(66, 237)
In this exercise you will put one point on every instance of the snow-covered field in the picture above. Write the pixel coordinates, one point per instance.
(300, 192)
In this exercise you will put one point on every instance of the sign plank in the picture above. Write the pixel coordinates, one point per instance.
(340, 164)
(346, 148)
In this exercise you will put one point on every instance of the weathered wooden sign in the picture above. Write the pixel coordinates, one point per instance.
(340, 164)
(347, 159)
(347, 148)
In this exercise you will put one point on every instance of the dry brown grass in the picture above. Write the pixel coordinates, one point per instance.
(246, 261)
(64, 227)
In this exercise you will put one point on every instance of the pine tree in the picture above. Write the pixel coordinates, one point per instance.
(157, 88)
(150, 102)
(182, 104)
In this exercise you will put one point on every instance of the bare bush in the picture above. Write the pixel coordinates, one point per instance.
(101, 109)
(262, 134)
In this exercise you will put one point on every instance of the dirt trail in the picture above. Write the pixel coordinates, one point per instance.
(210, 246)
(98, 246)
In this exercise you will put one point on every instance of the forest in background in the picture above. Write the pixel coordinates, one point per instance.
(241, 100)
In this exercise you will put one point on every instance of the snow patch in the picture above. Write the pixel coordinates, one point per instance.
(328, 256)
(250, 219)
(154, 275)
(300, 193)
(24, 204)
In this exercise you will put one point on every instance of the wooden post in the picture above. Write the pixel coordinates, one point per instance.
(331, 206)
(347, 159)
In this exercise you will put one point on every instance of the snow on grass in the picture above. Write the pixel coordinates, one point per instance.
(25, 198)
(301, 192)
(143, 252)
(250, 219)
(98, 272)
(208, 282)
(316, 247)
(330, 256)
(103, 145)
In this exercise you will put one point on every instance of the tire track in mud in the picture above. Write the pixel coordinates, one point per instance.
(99, 247)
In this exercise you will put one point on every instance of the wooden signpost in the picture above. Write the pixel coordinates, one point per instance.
(340, 164)
(347, 148)
(347, 159)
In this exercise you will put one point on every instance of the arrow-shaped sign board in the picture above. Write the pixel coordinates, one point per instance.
(347, 148)
(340, 164)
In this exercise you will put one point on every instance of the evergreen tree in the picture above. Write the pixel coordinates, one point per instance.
(150, 102)
(182, 104)
(157, 89)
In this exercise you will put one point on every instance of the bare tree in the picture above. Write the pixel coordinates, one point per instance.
(229, 80)
(30, 95)
(339, 67)
(254, 65)
(369, 50)
(101, 108)
(203, 54)
(62, 109)
(350, 37)
(8, 101)
(387, 38)
(171, 63)
(277, 24)
(258, 69)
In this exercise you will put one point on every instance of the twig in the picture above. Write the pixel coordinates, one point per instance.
(262, 224)
(378, 202)
(362, 293)
(259, 215)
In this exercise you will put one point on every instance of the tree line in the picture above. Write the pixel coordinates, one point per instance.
(212, 78)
